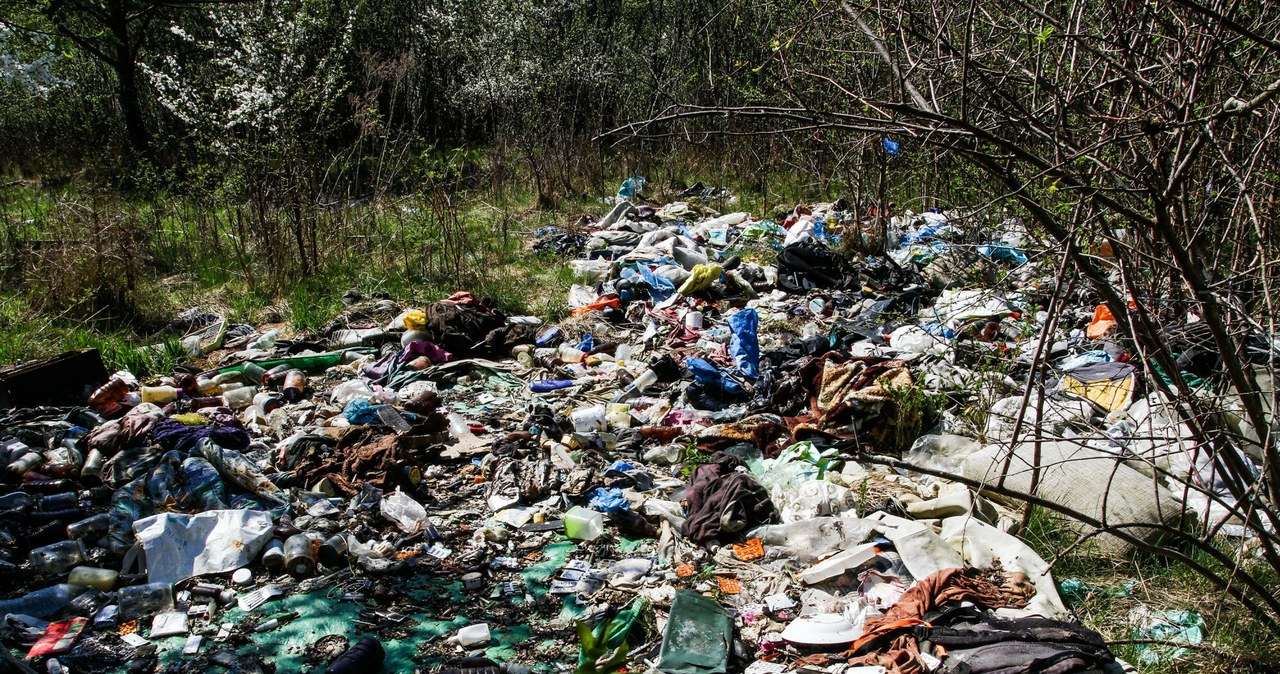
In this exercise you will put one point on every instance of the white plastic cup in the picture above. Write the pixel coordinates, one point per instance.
(693, 320)
(588, 419)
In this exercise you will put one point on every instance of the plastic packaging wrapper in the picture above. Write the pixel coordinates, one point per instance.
(217, 541)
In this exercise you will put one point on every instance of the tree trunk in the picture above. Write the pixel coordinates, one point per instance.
(125, 64)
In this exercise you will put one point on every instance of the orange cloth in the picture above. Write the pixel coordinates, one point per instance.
(948, 585)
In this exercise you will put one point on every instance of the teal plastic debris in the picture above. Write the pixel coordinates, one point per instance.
(1171, 627)
(1075, 590)
(698, 637)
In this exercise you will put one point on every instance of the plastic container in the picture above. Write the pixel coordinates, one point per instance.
(570, 354)
(239, 398)
(273, 555)
(58, 558)
(98, 579)
(159, 395)
(295, 384)
(266, 402)
(300, 555)
(42, 603)
(583, 524)
(618, 415)
(472, 635)
(139, 601)
(588, 419)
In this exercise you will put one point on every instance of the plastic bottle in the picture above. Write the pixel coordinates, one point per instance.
(273, 556)
(11, 449)
(15, 501)
(570, 354)
(637, 386)
(458, 427)
(57, 558)
(266, 341)
(472, 635)
(251, 373)
(364, 657)
(25, 463)
(42, 603)
(90, 527)
(88, 576)
(266, 402)
(239, 398)
(295, 384)
(159, 395)
(107, 398)
(142, 600)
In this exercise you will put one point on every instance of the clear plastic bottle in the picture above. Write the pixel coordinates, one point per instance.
(239, 398)
(159, 395)
(42, 603)
(57, 558)
(637, 386)
(143, 600)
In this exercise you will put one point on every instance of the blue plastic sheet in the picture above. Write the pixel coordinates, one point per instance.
(708, 375)
(631, 187)
(660, 288)
(587, 344)
(548, 336)
(361, 412)
(608, 500)
(891, 146)
(1004, 253)
(743, 343)
(545, 385)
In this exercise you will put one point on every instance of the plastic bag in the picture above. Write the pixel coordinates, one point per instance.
(183, 546)
(743, 343)
(404, 512)
(608, 500)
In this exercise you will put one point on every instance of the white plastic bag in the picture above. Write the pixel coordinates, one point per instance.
(404, 512)
(217, 541)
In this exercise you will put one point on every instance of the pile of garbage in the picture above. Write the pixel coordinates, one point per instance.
(680, 477)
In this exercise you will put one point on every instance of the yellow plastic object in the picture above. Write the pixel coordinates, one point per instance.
(415, 320)
(1110, 394)
(702, 277)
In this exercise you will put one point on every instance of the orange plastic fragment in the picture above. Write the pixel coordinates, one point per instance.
(1103, 320)
(599, 305)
